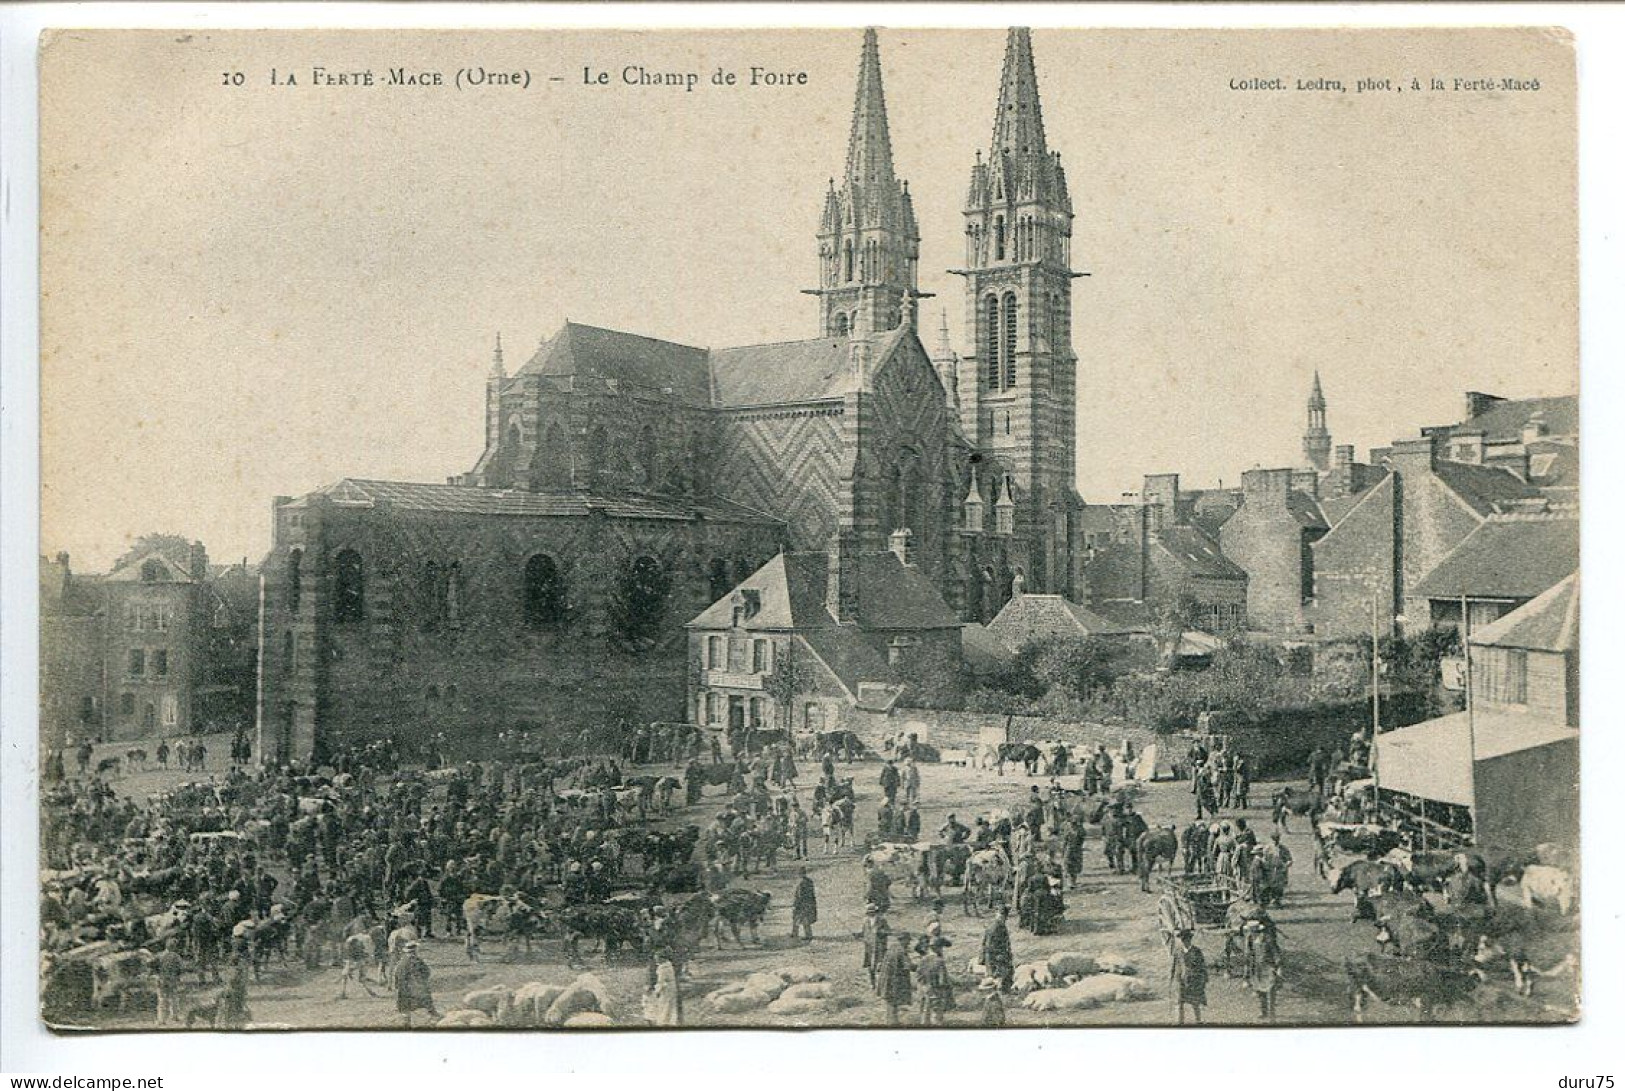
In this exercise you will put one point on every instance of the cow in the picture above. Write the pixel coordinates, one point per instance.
(1546, 885)
(700, 776)
(1428, 870)
(1365, 840)
(1299, 801)
(498, 915)
(1024, 752)
(358, 954)
(941, 864)
(1365, 878)
(901, 862)
(611, 927)
(135, 759)
(1151, 846)
(1404, 982)
(736, 908)
(108, 766)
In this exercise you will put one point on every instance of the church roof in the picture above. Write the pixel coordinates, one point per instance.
(588, 351)
(473, 500)
(1507, 557)
(792, 371)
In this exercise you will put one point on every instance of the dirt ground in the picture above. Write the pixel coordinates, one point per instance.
(1107, 914)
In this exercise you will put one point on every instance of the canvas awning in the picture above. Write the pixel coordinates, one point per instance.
(1433, 760)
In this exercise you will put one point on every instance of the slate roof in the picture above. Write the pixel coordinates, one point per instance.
(130, 571)
(664, 366)
(1027, 618)
(1549, 622)
(791, 371)
(65, 593)
(1503, 422)
(1507, 557)
(474, 500)
(1483, 487)
(1193, 550)
(791, 587)
(1306, 510)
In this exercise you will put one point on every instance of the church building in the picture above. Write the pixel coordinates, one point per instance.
(629, 482)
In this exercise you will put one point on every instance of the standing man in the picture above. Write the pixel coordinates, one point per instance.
(895, 982)
(996, 954)
(876, 937)
(911, 781)
(168, 972)
(803, 908)
(889, 781)
(1188, 976)
(412, 984)
(1263, 963)
(936, 987)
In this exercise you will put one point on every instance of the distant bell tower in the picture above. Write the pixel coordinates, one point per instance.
(1018, 386)
(868, 241)
(1317, 441)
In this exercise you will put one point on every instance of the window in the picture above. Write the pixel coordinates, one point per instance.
(172, 711)
(160, 662)
(296, 560)
(349, 595)
(1009, 354)
(713, 708)
(640, 600)
(991, 348)
(761, 656)
(758, 711)
(138, 662)
(126, 704)
(841, 326)
(998, 238)
(544, 592)
(846, 260)
(736, 655)
(162, 613)
(646, 455)
(815, 717)
(716, 653)
(1517, 679)
(152, 571)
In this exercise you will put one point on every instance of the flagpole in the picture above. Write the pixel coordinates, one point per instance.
(1472, 741)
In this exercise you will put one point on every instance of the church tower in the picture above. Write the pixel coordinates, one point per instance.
(1018, 387)
(868, 241)
(1317, 441)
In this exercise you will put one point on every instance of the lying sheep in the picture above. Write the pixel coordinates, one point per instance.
(1065, 964)
(1032, 975)
(583, 1019)
(586, 993)
(802, 1006)
(496, 1002)
(801, 975)
(530, 1003)
(734, 1001)
(766, 982)
(1088, 992)
(464, 1017)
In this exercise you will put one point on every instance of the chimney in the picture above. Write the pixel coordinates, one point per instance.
(902, 545)
(200, 562)
(1344, 455)
(1307, 481)
(1266, 486)
(1468, 447)
(1534, 427)
(1412, 456)
(841, 587)
(1479, 403)
(1161, 491)
(62, 562)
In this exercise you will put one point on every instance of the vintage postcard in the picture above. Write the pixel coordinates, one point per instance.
(863, 527)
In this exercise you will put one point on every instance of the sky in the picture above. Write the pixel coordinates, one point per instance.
(254, 290)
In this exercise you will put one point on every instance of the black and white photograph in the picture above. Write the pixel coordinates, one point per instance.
(883, 527)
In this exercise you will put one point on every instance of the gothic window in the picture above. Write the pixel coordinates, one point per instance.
(991, 349)
(646, 455)
(718, 576)
(841, 325)
(846, 261)
(552, 465)
(1009, 354)
(295, 561)
(152, 571)
(998, 238)
(641, 599)
(544, 592)
(349, 593)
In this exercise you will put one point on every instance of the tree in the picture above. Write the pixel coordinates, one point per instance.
(175, 549)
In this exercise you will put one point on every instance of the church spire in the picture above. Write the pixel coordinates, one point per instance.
(1317, 440)
(868, 241)
(1018, 126)
(497, 370)
(868, 151)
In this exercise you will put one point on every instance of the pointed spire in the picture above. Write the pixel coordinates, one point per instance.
(945, 345)
(868, 152)
(497, 371)
(1018, 127)
(1317, 400)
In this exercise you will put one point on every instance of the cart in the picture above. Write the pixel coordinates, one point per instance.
(1200, 901)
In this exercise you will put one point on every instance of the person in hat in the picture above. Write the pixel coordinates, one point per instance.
(803, 908)
(1262, 959)
(895, 981)
(876, 933)
(936, 987)
(992, 1003)
(1188, 976)
(997, 958)
(412, 991)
